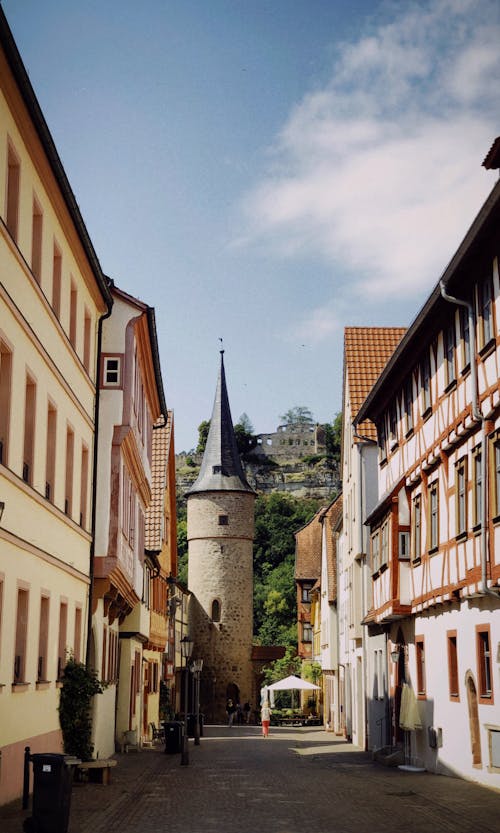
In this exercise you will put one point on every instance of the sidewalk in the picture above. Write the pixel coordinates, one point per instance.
(297, 780)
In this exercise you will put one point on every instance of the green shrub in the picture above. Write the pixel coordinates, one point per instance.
(79, 685)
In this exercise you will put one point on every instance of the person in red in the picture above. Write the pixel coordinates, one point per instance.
(265, 717)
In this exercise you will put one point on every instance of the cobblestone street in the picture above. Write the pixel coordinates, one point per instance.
(297, 780)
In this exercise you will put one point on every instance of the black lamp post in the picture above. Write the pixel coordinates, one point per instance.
(197, 666)
(186, 650)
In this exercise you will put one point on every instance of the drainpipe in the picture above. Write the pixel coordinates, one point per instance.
(94, 485)
(478, 417)
(363, 441)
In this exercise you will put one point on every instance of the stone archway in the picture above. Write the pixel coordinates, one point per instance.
(475, 737)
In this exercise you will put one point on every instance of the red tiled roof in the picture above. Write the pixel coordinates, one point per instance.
(492, 158)
(332, 518)
(156, 509)
(366, 352)
(308, 549)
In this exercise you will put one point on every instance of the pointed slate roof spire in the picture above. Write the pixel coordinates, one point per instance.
(221, 469)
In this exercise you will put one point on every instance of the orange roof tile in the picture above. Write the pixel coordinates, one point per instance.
(366, 352)
(155, 511)
(308, 549)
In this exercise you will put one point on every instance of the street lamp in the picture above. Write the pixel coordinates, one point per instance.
(196, 667)
(186, 651)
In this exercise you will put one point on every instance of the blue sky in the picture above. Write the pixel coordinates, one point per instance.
(268, 172)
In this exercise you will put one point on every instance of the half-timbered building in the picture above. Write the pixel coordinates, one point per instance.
(435, 531)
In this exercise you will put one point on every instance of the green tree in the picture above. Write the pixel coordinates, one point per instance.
(277, 517)
(333, 437)
(79, 685)
(298, 415)
(203, 429)
(243, 431)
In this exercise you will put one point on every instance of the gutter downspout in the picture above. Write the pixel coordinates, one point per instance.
(361, 532)
(477, 417)
(94, 484)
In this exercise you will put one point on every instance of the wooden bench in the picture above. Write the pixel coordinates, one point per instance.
(98, 772)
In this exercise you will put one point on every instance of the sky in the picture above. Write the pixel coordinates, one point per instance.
(268, 172)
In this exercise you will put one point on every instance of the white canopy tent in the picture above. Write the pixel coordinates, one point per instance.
(287, 684)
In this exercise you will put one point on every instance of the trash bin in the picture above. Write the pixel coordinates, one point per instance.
(52, 780)
(173, 736)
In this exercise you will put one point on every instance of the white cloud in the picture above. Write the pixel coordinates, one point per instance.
(379, 172)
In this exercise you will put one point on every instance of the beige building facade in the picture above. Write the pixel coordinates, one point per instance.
(53, 297)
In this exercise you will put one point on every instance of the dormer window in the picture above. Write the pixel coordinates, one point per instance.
(111, 372)
(216, 469)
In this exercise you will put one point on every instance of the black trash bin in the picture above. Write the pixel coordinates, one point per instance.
(52, 780)
(173, 736)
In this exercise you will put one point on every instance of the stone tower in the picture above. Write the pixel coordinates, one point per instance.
(220, 531)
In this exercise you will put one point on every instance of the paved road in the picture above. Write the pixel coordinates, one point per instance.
(298, 780)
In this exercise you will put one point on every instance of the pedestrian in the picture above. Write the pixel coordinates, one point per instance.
(239, 714)
(265, 718)
(230, 709)
(246, 709)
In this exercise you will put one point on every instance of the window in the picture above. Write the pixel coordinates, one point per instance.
(433, 516)
(223, 520)
(56, 279)
(306, 593)
(68, 493)
(36, 241)
(43, 638)
(61, 649)
(461, 496)
(5, 392)
(465, 336)
(452, 665)
(21, 636)
(50, 454)
(420, 660)
(73, 310)
(404, 546)
(408, 405)
(216, 610)
(306, 632)
(477, 485)
(104, 653)
(393, 424)
(449, 353)
(376, 551)
(384, 544)
(484, 662)
(87, 328)
(13, 183)
(485, 299)
(382, 439)
(497, 477)
(84, 479)
(29, 429)
(112, 376)
(425, 382)
(417, 527)
(77, 643)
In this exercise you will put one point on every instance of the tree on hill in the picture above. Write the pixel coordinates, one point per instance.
(277, 517)
(333, 437)
(298, 415)
(203, 429)
(243, 431)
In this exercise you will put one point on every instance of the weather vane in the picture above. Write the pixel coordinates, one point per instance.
(221, 345)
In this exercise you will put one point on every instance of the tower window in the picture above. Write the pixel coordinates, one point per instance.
(223, 520)
(215, 610)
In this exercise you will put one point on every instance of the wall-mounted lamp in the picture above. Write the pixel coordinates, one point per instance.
(2, 507)
(395, 653)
